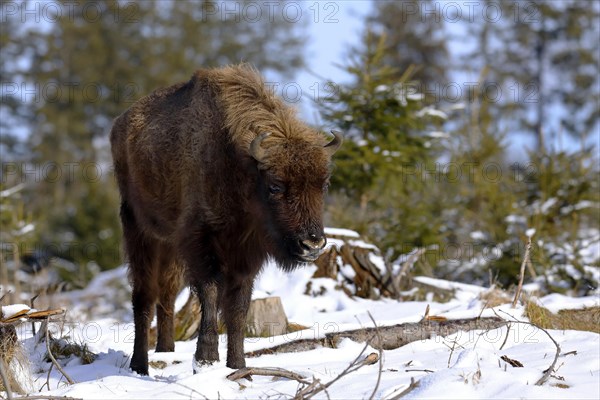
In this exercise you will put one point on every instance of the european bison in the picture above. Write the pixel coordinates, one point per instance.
(216, 175)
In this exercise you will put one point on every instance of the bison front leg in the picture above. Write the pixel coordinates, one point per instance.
(207, 350)
(236, 301)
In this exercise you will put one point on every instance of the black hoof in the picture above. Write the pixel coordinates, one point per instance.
(142, 370)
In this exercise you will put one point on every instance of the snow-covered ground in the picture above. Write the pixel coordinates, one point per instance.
(462, 365)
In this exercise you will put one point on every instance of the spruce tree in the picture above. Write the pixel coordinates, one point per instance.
(376, 187)
(414, 36)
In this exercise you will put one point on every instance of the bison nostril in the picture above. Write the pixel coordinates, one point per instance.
(314, 243)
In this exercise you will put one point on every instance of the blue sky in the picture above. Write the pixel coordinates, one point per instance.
(333, 27)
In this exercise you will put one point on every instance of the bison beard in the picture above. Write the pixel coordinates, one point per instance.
(216, 175)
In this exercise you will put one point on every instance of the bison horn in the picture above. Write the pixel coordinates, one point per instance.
(335, 144)
(256, 150)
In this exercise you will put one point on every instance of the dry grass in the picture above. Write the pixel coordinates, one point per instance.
(157, 364)
(15, 360)
(494, 297)
(294, 327)
(587, 319)
(62, 349)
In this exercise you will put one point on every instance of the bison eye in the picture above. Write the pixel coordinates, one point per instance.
(275, 188)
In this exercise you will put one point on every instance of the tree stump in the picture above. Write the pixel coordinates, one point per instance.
(356, 264)
(266, 318)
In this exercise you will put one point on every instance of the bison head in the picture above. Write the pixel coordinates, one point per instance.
(293, 180)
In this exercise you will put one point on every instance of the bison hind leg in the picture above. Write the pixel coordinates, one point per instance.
(141, 254)
(170, 285)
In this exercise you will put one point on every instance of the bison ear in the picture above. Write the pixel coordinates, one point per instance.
(335, 144)
(256, 151)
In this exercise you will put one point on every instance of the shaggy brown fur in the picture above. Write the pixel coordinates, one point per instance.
(209, 197)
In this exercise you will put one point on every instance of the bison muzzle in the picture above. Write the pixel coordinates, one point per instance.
(216, 175)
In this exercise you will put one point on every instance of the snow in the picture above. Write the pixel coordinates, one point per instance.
(555, 302)
(548, 204)
(415, 96)
(478, 235)
(447, 285)
(25, 229)
(10, 310)
(439, 135)
(182, 298)
(430, 111)
(341, 232)
(362, 244)
(515, 219)
(462, 365)
(378, 262)
(10, 191)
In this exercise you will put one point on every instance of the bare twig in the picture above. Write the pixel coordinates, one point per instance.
(522, 272)
(550, 369)
(301, 393)
(410, 261)
(5, 380)
(412, 386)
(483, 308)
(67, 377)
(277, 372)
(380, 348)
(429, 371)
(47, 378)
(353, 366)
(426, 314)
(454, 343)
(506, 338)
(531, 269)
(32, 302)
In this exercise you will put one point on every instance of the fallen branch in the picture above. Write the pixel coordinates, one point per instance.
(28, 314)
(275, 372)
(311, 388)
(389, 337)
